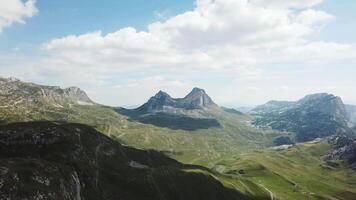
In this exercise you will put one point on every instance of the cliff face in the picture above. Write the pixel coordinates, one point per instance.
(43, 160)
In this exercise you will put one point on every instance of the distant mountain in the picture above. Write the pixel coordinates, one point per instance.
(272, 106)
(351, 110)
(244, 109)
(163, 102)
(232, 110)
(21, 101)
(316, 115)
(32, 93)
(44, 160)
(192, 112)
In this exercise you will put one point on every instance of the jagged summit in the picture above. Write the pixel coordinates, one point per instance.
(196, 99)
(196, 91)
(78, 95)
(162, 94)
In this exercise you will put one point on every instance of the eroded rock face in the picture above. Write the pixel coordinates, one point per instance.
(44, 160)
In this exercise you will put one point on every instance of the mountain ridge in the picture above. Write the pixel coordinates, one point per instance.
(162, 101)
(35, 92)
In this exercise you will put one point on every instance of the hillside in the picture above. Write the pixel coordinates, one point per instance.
(43, 160)
(316, 115)
(235, 153)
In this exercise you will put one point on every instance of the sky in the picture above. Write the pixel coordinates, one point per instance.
(242, 52)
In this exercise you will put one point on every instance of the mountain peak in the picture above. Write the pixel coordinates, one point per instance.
(78, 95)
(198, 90)
(196, 99)
(162, 94)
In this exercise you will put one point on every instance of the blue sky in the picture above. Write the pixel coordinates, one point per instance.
(66, 17)
(242, 52)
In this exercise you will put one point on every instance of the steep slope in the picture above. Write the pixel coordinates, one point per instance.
(316, 115)
(43, 160)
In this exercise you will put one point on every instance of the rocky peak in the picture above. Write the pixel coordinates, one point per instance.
(324, 103)
(162, 95)
(78, 95)
(197, 99)
(197, 91)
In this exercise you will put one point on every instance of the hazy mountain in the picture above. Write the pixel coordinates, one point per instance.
(316, 115)
(351, 110)
(244, 109)
(271, 107)
(43, 160)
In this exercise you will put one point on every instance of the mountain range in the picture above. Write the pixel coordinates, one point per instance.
(57, 142)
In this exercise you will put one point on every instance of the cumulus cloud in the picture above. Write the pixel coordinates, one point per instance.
(221, 34)
(15, 11)
(218, 39)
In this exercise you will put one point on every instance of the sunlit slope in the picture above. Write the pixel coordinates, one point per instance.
(296, 173)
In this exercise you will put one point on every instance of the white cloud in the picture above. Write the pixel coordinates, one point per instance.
(320, 52)
(289, 4)
(221, 34)
(219, 39)
(15, 11)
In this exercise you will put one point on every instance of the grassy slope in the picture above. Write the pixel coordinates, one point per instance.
(292, 174)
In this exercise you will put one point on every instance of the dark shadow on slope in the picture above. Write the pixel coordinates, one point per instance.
(73, 161)
(171, 121)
